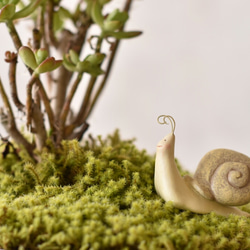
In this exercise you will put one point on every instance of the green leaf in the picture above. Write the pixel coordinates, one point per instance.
(64, 13)
(96, 13)
(41, 55)
(87, 66)
(57, 22)
(6, 2)
(95, 59)
(28, 57)
(96, 71)
(48, 65)
(102, 2)
(29, 9)
(74, 57)
(123, 34)
(7, 12)
(68, 64)
(112, 25)
(59, 18)
(117, 15)
(89, 7)
(83, 66)
(91, 64)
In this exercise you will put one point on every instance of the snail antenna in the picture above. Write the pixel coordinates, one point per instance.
(162, 120)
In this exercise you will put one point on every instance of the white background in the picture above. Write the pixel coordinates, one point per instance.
(193, 63)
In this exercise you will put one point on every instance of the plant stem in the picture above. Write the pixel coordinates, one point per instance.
(36, 39)
(17, 42)
(66, 108)
(34, 115)
(46, 103)
(39, 128)
(103, 83)
(78, 120)
(49, 23)
(11, 127)
(87, 105)
(75, 42)
(107, 72)
(86, 99)
(29, 101)
(14, 35)
(34, 79)
(12, 80)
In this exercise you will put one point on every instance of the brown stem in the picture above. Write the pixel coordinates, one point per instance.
(14, 35)
(37, 99)
(40, 26)
(7, 104)
(61, 86)
(29, 101)
(36, 39)
(88, 106)
(12, 129)
(39, 128)
(78, 135)
(66, 108)
(10, 125)
(74, 42)
(78, 120)
(34, 79)
(11, 58)
(17, 42)
(107, 72)
(46, 103)
(36, 46)
(44, 43)
(91, 84)
(86, 100)
(34, 115)
(49, 23)
(103, 83)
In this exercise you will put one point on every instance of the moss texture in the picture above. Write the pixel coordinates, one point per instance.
(101, 196)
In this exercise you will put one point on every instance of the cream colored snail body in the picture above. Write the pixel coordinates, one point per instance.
(221, 181)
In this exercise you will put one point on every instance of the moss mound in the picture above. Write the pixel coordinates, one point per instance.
(101, 196)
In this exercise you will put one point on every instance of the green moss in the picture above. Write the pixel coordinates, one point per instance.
(101, 196)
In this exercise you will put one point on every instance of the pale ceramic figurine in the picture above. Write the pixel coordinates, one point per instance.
(221, 180)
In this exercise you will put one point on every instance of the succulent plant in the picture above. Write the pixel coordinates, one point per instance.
(64, 69)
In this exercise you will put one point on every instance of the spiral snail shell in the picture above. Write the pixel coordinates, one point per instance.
(221, 181)
(224, 175)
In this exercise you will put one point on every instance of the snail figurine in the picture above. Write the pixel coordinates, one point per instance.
(221, 181)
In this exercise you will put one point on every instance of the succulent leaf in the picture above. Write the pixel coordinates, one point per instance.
(59, 17)
(112, 25)
(102, 2)
(118, 15)
(27, 10)
(67, 63)
(7, 12)
(123, 34)
(74, 57)
(96, 13)
(95, 59)
(48, 65)
(83, 66)
(6, 2)
(28, 57)
(41, 55)
(96, 71)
